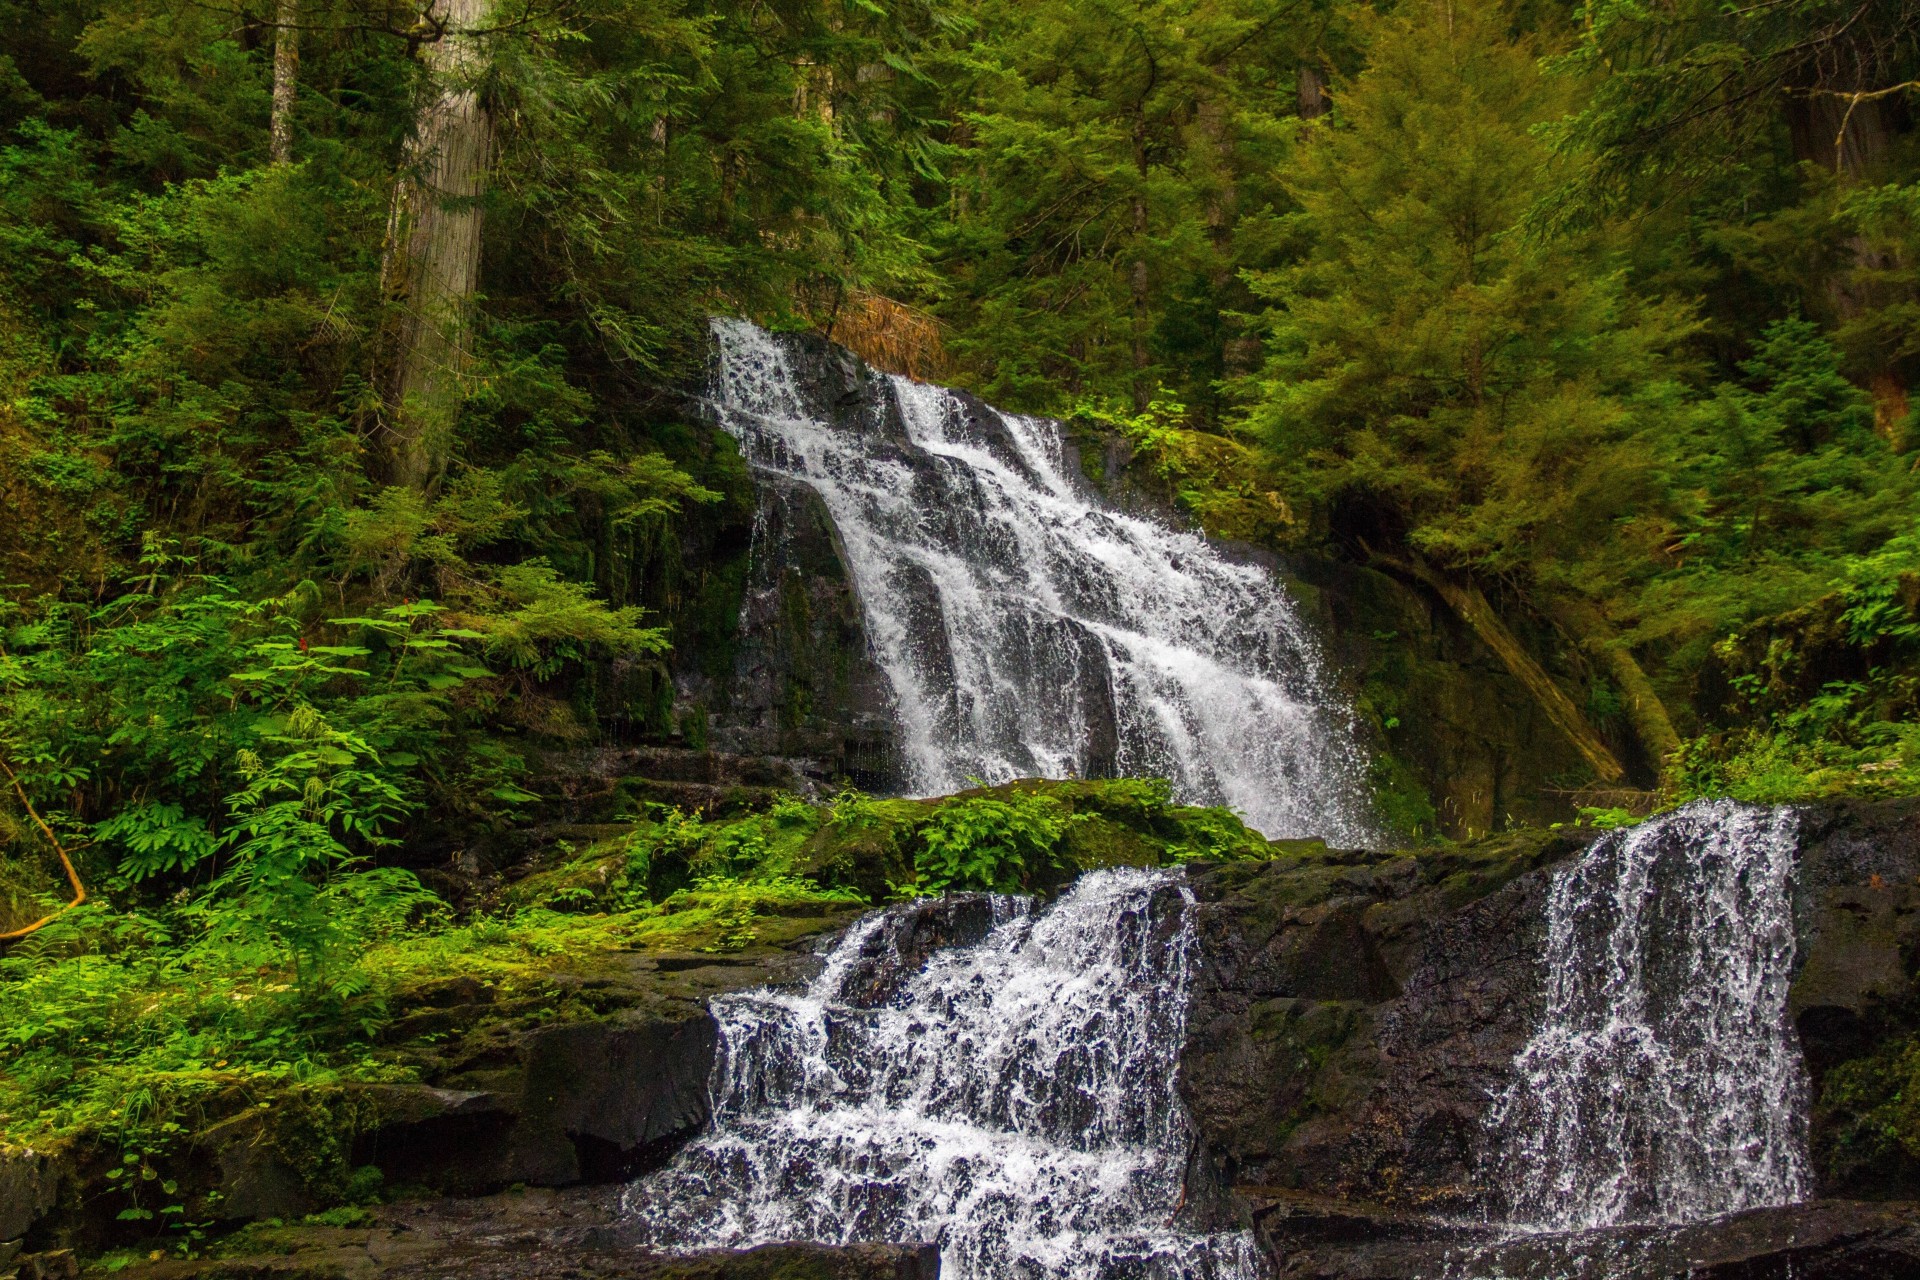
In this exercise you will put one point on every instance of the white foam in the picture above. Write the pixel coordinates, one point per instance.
(1013, 1100)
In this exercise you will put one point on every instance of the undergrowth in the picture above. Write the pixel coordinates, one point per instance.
(135, 1022)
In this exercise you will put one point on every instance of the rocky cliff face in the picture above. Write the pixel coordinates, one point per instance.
(802, 684)
(773, 672)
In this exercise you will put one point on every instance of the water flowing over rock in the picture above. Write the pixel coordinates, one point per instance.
(1027, 629)
(1013, 1099)
(1665, 1083)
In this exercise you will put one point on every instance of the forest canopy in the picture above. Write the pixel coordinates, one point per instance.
(344, 347)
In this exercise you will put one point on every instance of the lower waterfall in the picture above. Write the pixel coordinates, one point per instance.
(1665, 1084)
(1012, 1100)
(1029, 630)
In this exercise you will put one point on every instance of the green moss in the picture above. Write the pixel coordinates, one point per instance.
(312, 1130)
(1308, 1030)
(708, 624)
(1872, 1110)
(1469, 871)
(1099, 841)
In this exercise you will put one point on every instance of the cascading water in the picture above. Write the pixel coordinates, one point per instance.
(1027, 630)
(1665, 1084)
(1013, 1100)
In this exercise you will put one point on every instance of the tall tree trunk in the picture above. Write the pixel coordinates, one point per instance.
(1238, 354)
(1137, 278)
(286, 79)
(1472, 607)
(1645, 712)
(1852, 138)
(432, 264)
(1311, 93)
(1142, 386)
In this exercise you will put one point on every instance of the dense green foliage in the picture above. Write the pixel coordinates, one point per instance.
(1605, 315)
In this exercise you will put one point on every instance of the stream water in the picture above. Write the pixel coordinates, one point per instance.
(1029, 629)
(1012, 1100)
(1663, 1085)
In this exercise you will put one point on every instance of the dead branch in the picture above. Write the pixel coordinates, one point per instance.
(73, 876)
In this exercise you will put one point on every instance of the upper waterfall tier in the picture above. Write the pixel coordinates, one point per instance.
(1029, 630)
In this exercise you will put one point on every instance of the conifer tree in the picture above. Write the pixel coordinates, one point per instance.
(1476, 397)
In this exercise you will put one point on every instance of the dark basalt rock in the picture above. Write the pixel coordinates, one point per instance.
(771, 656)
(1823, 1240)
(900, 947)
(804, 685)
(1351, 1014)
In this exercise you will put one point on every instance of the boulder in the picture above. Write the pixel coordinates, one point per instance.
(29, 1183)
(1351, 1013)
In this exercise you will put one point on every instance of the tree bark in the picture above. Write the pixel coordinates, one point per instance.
(1472, 607)
(432, 267)
(286, 80)
(1142, 389)
(1853, 139)
(1645, 712)
(1311, 93)
(1138, 279)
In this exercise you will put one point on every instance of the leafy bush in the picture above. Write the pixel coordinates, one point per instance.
(988, 842)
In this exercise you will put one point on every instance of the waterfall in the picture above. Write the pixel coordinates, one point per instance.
(1013, 1100)
(1664, 1083)
(1030, 631)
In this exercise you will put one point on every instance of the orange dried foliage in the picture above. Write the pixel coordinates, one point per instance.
(888, 335)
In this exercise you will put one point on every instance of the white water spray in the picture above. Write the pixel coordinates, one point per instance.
(1013, 1100)
(1665, 1084)
(1029, 631)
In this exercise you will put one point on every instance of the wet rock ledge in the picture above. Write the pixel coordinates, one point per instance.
(576, 1234)
(582, 1083)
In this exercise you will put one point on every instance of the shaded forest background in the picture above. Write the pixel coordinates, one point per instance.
(343, 344)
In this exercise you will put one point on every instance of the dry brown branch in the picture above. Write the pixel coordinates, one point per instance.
(1854, 98)
(73, 876)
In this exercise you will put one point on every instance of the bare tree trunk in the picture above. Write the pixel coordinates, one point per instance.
(286, 79)
(1142, 386)
(1239, 354)
(1312, 92)
(432, 267)
(1853, 140)
(1472, 607)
